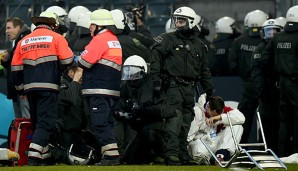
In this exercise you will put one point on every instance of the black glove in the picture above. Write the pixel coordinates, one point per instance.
(138, 111)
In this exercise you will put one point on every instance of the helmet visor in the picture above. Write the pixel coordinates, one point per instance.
(179, 23)
(270, 32)
(130, 72)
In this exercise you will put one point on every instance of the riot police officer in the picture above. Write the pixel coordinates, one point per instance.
(179, 60)
(73, 16)
(202, 32)
(240, 62)
(226, 32)
(282, 52)
(141, 111)
(266, 79)
(130, 46)
(84, 36)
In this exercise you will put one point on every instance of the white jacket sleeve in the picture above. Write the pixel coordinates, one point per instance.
(199, 120)
(237, 118)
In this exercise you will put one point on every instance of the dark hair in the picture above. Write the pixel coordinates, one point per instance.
(72, 67)
(15, 21)
(216, 103)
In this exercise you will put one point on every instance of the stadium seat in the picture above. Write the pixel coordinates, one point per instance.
(21, 9)
(123, 4)
(156, 25)
(91, 4)
(159, 8)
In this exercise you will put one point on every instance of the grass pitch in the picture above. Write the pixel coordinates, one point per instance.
(291, 167)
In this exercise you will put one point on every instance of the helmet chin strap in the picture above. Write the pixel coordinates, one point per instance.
(96, 31)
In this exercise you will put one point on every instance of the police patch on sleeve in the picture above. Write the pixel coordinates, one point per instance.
(114, 44)
(158, 39)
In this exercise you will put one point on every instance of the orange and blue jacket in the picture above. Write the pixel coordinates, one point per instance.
(36, 61)
(101, 61)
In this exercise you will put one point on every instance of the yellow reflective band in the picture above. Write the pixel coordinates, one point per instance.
(108, 147)
(111, 153)
(46, 149)
(101, 91)
(41, 85)
(17, 68)
(36, 147)
(40, 60)
(110, 64)
(46, 155)
(34, 154)
(85, 63)
(66, 61)
(20, 87)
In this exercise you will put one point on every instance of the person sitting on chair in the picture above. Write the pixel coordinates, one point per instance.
(211, 125)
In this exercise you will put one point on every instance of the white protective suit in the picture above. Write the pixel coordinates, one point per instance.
(216, 139)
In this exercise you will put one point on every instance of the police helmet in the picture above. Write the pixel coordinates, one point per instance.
(292, 19)
(134, 68)
(198, 22)
(83, 20)
(246, 19)
(168, 28)
(282, 21)
(57, 10)
(225, 25)
(292, 14)
(101, 17)
(184, 13)
(75, 12)
(255, 21)
(79, 159)
(119, 18)
(270, 28)
(256, 18)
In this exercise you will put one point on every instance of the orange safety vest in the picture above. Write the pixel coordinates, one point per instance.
(102, 60)
(35, 64)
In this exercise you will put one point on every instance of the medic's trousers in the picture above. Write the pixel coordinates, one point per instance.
(43, 114)
(102, 125)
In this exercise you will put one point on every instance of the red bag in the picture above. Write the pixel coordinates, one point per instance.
(19, 137)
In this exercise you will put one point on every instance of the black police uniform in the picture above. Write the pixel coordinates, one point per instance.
(136, 98)
(219, 64)
(143, 35)
(240, 61)
(178, 61)
(266, 79)
(82, 41)
(211, 49)
(130, 46)
(72, 35)
(282, 50)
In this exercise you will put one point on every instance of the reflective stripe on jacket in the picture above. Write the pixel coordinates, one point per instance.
(102, 60)
(35, 64)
